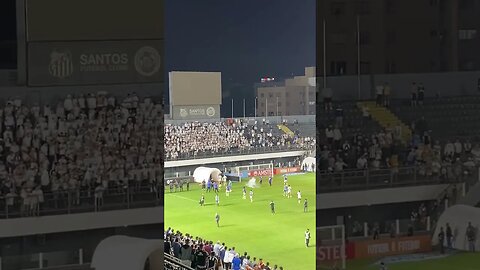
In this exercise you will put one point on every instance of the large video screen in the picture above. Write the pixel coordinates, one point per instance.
(195, 88)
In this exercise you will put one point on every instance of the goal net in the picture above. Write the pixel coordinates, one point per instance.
(253, 171)
(331, 253)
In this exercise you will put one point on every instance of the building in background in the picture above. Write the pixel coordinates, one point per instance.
(407, 36)
(293, 96)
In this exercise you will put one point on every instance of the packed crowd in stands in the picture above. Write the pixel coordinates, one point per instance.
(195, 138)
(86, 143)
(450, 161)
(204, 254)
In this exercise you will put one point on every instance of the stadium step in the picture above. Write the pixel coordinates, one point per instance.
(386, 118)
(172, 263)
(286, 130)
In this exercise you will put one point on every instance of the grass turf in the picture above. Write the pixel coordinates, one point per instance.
(278, 239)
(459, 261)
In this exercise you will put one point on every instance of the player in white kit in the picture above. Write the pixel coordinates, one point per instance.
(299, 196)
(289, 192)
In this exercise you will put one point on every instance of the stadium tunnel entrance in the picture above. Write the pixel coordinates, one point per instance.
(128, 253)
(204, 174)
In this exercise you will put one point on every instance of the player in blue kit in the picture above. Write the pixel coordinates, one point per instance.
(227, 191)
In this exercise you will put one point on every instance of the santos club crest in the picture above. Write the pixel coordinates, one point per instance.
(61, 64)
(147, 61)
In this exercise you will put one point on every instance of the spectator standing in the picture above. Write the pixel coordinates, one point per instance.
(379, 91)
(98, 197)
(449, 236)
(236, 263)
(227, 259)
(327, 95)
(467, 147)
(393, 230)
(339, 117)
(458, 148)
(471, 237)
(413, 94)
(223, 251)
(212, 261)
(376, 231)
(186, 253)
(365, 116)
(421, 94)
(200, 258)
(176, 247)
(441, 239)
(337, 137)
(216, 248)
(167, 246)
(329, 133)
(387, 91)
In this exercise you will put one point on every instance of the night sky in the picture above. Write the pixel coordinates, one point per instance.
(244, 39)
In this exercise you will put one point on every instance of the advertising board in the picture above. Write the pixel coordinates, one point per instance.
(195, 112)
(95, 62)
(286, 170)
(392, 246)
(334, 252)
(263, 172)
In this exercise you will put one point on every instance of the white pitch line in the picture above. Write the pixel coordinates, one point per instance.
(181, 197)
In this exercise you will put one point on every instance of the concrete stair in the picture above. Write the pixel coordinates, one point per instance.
(386, 119)
(286, 130)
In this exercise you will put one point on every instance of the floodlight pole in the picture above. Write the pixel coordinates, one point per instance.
(359, 87)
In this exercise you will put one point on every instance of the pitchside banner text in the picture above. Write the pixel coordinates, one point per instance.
(195, 112)
(95, 62)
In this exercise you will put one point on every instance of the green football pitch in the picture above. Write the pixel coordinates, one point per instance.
(460, 261)
(250, 227)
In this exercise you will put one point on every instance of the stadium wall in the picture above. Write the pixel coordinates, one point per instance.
(77, 222)
(301, 119)
(186, 171)
(379, 196)
(367, 213)
(229, 159)
(444, 84)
